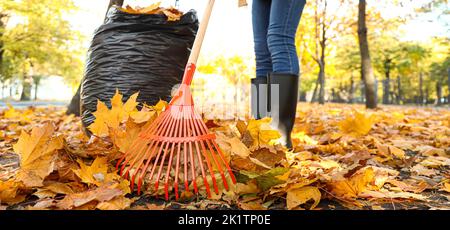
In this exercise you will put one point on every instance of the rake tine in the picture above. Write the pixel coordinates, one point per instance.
(220, 155)
(157, 157)
(208, 162)
(137, 156)
(186, 183)
(191, 155)
(213, 154)
(200, 161)
(166, 189)
(170, 130)
(149, 154)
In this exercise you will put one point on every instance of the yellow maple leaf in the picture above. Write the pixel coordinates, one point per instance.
(389, 150)
(37, 153)
(299, 196)
(124, 138)
(351, 187)
(151, 9)
(446, 187)
(160, 106)
(24, 116)
(261, 132)
(9, 192)
(118, 203)
(95, 173)
(100, 127)
(106, 119)
(358, 123)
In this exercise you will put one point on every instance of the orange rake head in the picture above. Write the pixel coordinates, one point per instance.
(176, 147)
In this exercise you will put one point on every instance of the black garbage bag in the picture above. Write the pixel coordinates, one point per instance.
(136, 53)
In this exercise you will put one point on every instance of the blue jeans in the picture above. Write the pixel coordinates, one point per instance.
(275, 24)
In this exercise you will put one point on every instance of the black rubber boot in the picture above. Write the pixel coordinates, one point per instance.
(259, 97)
(283, 93)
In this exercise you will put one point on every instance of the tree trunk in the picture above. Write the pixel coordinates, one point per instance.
(351, 90)
(74, 106)
(36, 81)
(386, 91)
(448, 85)
(366, 63)
(26, 89)
(313, 98)
(438, 93)
(420, 89)
(322, 84)
(399, 90)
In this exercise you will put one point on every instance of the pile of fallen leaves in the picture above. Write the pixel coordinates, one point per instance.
(172, 13)
(344, 157)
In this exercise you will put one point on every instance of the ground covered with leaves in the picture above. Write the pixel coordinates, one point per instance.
(345, 157)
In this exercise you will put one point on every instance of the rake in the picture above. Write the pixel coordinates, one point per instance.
(178, 141)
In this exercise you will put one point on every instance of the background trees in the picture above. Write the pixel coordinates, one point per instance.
(37, 41)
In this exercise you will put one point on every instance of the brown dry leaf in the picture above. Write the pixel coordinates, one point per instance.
(409, 187)
(421, 170)
(388, 150)
(171, 13)
(38, 152)
(299, 196)
(238, 148)
(254, 205)
(100, 194)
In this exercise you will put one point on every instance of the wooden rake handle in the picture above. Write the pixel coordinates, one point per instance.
(195, 52)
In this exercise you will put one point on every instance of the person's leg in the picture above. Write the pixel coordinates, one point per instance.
(284, 80)
(260, 18)
(284, 19)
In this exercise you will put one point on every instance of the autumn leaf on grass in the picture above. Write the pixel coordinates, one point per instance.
(299, 196)
(38, 152)
(351, 187)
(10, 192)
(358, 123)
(261, 132)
